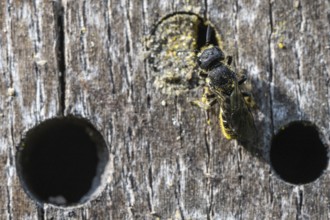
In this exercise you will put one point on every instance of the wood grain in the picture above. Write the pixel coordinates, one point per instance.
(90, 58)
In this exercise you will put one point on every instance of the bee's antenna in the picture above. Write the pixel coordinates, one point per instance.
(208, 35)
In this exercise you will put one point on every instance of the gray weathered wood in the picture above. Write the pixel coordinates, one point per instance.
(29, 90)
(166, 161)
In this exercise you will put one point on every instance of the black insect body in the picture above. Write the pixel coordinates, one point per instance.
(236, 120)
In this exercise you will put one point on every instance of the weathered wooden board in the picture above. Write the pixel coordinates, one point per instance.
(30, 90)
(300, 78)
(166, 161)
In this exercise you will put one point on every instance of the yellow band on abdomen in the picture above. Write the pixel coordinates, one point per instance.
(225, 131)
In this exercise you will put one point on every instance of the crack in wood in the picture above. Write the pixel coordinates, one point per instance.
(108, 45)
(271, 66)
(298, 54)
(299, 202)
(9, 176)
(41, 213)
(60, 53)
(177, 190)
(9, 206)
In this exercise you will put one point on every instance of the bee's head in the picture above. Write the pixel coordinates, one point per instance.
(210, 57)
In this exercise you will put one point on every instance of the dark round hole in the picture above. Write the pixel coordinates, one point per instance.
(297, 153)
(61, 161)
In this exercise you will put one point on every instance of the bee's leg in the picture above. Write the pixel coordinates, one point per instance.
(202, 74)
(202, 78)
(242, 76)
(246, 94)
(248, 99)
(242, 79)
(204, 105)
(229, 60)
(208, 99)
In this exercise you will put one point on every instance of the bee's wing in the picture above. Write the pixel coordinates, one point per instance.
(242, 121)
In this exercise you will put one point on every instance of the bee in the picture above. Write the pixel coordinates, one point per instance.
(224, 87)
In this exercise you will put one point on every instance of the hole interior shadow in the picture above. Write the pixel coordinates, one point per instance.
(61, 161)
(297, 153)
(201, 40)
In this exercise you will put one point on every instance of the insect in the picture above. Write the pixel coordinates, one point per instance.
(224, 87)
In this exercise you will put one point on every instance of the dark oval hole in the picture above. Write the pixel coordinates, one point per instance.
(61, 161)
(297, 153)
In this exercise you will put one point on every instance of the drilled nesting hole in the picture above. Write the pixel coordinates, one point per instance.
(173, 46)
(61, 161)
(297, 153)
